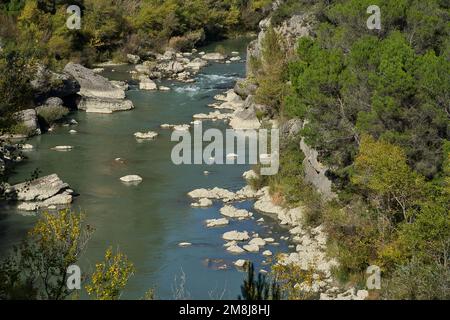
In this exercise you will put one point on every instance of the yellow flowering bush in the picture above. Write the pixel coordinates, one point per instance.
(110, 276)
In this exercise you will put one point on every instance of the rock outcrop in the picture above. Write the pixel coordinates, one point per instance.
(291, 30)
(315, 172)
(236, 236)
(245, 118)
(105, 106)
(145, 83)
(214, 56)
(47, 83)
(293, 217)
(98, 94)
(41, 193)
(232, 212)
(28, 124)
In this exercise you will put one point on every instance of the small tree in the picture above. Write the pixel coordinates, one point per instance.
(381, 169)
(37, 269)
(259, 289)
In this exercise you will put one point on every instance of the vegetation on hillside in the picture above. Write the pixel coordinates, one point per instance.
(114, 28)
(376, 107)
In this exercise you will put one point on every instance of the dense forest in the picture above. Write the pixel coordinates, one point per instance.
(375, 104)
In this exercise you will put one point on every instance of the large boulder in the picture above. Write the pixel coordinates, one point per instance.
(39, 189)
(105, 106)
(250, 102)
(197, 64)
(28, 124)
(245, 118)
(47, 83)
(98, 94)
(93, 85)
(145, 83)
(133, 59)
(175, 67)
(244, 88)
(144, 69)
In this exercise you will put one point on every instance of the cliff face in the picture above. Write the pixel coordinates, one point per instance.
(291, 30)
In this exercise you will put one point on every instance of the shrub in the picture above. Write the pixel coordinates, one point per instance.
(290, 277)
(187, 41)
(418, 281)
(51, 114)
(260, 288)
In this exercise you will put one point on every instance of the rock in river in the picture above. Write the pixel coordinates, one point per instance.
(241, 263)
(232, 212)
(146, 135)
(42, 192)
(104, 105)
(93, 85)
(258, 241)
(213, 56)
(235, 249)
(62, 148)
(236, 236)
(217, 222)
(251, 248)
(98, 94)
(147, 84)
(202, 203)
(131, 179)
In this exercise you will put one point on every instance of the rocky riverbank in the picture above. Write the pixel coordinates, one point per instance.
(310, 244)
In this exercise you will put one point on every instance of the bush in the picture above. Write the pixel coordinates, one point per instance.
(418, 281)
(260, 288)
(187, 41)
(289, 277)
(51, 114)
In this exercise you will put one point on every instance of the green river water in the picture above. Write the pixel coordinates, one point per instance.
(148, 221)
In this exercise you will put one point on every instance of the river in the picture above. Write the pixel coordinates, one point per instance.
(148, 221)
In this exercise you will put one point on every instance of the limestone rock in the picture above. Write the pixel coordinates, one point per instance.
(251, 248)
(236, 236)
(104, 105)
(93, 85)
(213, 56)
(232, 212)
(131, 179)
(147, 84)
(211, 223)
(146, 135)
(202, 203)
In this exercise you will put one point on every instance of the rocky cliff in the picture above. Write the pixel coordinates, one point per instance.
(297, 26)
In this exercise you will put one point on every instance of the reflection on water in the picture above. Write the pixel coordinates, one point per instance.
(147, 221)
